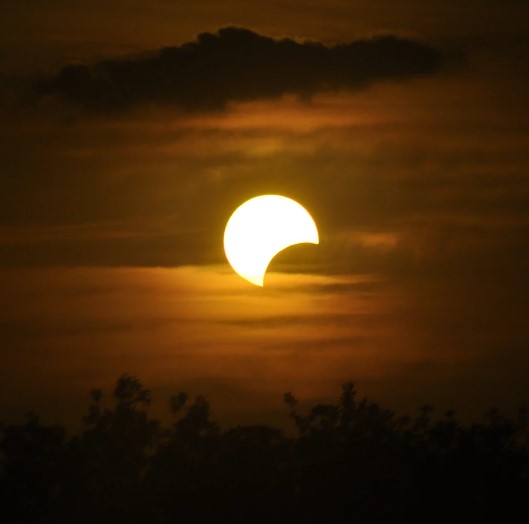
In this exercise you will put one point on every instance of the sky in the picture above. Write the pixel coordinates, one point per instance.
(130, 133)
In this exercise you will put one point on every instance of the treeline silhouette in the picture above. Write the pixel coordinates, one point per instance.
(352, 461)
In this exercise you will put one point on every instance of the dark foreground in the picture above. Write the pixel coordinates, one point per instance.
(350, 462)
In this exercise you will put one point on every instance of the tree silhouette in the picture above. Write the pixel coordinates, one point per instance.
(352, 460)
(113, 454)
(34, 470)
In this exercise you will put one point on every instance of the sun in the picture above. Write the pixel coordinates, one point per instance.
(262, 227)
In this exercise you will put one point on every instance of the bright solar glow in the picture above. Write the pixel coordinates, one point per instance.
(262, 227)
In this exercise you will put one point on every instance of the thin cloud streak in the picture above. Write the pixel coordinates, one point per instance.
(168, 325)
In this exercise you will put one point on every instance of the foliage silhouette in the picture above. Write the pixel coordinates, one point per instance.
(350, 461)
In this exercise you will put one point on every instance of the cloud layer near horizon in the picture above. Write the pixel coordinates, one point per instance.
(237, 64)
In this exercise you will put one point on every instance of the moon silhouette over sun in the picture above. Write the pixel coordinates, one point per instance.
(262, 227)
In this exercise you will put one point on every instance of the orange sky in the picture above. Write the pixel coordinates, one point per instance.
(111, 225)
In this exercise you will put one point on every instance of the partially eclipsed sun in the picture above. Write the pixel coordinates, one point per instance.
(262, 227)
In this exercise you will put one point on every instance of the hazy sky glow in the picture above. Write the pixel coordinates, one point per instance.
(115, 195)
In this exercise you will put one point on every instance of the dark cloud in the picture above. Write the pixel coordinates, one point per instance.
(238, 64)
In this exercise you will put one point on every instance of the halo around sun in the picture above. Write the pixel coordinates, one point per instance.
(262, 227)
